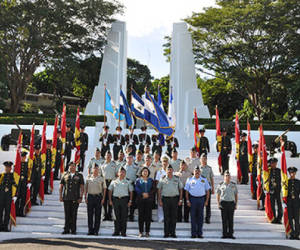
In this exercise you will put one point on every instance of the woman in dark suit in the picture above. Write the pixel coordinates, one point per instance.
(144, 187)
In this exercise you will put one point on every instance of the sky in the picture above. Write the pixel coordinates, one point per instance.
(148, 22)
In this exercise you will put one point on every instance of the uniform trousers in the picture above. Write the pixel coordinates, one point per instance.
(170, 207)
(5, 203)
(197, 207)
(227, 211)
(293, 206)
(35, 187)
(186, 211)
(82, 159)
(21, 200)
(244, 169)
(121, 212)
(145, 214)
(253, 176)
(275, 198)
(47, 179)
(225, 162)
(208, 207)
(94, 212)
(106, 206)
(71, 208)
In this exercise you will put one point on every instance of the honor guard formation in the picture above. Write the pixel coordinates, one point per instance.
(144, 172)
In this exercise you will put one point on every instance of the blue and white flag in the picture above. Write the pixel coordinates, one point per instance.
(111, 107)
(124, 109)
(156, 116)
(159, 100)
(137, 105)
(171, 111)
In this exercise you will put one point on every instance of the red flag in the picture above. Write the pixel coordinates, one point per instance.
(250, 156)
(77, 137)
(284, 181)
(259, 167)
(196, 131)
(219, 139)
(44, 144)
(13, 216)
(237, 147)
(28, 200)
(63, 127)
(266, 179)
(54, 148)
(42, 191)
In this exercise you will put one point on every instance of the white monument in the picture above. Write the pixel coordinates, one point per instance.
(113, 73)
(183, 80)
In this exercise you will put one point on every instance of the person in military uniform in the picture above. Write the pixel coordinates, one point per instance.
(95, 192)
(243, 154)
(227, 198)
(96, 160)
(147, 149)
(84, 143)
(194, 160)
(156, 160)
(48, 167)
(206, 171)
(275, 190)
(144, 139)
(106, 139)
(119, 142)
(262, 195)
(197, 194)
(139, 161)
(157, 143)
(131, 175)
(36, 173)
(132, 140)
(120, 197)
(70, 143)
(22, 186)
(254, 171)
(148, 164)
(58, 155)
(70, 193)
(170, 197)
(203, 143)
(108, 169)
(172, 143)
(120, 162)
(175, 162)
(226, 148)
(183, 175)
(7, 182)
(293, 203)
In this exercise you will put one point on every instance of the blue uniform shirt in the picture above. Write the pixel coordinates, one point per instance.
(197, 187)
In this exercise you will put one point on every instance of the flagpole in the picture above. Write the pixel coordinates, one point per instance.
(119, 104)
(104, 104)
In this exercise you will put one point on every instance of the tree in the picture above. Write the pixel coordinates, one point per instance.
(38, 33)
(254, 45)
(163, 84)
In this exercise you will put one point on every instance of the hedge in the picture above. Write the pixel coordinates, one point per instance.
(212, 121)
(266, 126)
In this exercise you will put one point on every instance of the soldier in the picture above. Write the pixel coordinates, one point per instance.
(183, 175)
(206, 171)
(197, 195)
(132, 140)
(243, 154)
(148, 164)
(203, 143)
(71, 192)
(275, 190)
(58, 155)
(139, 161)
(7, 182)
(147, 149)
(144, 139)
(37, 172)
(227, 198)
(69, 145)
(170, 197)
(22, 186)
(106, 139)
(293, 203)
(194, 160)
(156, 160)
(254, 170)
(120, 161)
(108, 169)
(119, 141)
(131, 175)
(48, 166)
(225, 150)
(84, 143)
(157, 143)
(120, 197)
(175, 162)
(172, 143)
(96, 160)
(95, 192)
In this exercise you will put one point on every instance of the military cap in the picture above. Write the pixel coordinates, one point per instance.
(23, 153)
(82, 126)
(243, 134)
(119, 128)
(139, 152)
(98, 149)
(143, 128)
(122, 169)
(274, 160)
(49, 141)
(203, 155)
(174, 150)
(193, 149)
(71, 163)
(170, 166)
(269, 161)
(292, 169)
(227, 172)
(58, 130)
(68, 125)
(8, 163)
(165, 157)
(196, 167)
(202, 130)
(37, 146)
(223, 130)
(255, 145)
